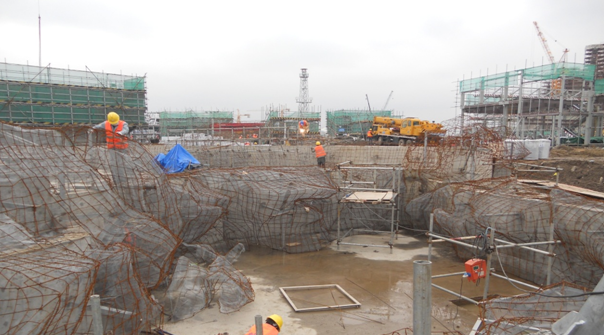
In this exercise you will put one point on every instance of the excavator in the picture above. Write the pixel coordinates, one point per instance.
(405, 131)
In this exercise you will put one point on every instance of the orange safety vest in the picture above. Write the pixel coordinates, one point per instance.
(319, 151)
(115, 140)
(369, 134)
(266, 330)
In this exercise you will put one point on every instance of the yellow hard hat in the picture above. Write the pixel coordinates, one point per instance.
(278, 320)
(113, 118)
(318, 143)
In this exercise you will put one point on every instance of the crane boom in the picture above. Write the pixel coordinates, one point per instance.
(387, 101)
(544, 43)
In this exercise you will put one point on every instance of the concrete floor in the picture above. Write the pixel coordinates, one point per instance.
(380, 281)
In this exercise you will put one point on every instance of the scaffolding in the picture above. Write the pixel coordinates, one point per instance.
(536, 102)
(45, 95)
(179, 123)
(365, 194)
(490, 246)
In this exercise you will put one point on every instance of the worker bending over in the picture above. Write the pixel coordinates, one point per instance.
(320, 153)
(113, 127)
(271, 327)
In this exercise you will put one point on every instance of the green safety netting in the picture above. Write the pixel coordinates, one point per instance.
(194, 114)
(557, 70)
(32, 113)
(544, 72)
(490, 81)
(54, 94)
(49, 75)
(352, 121)
(298, 115)
(599, 86)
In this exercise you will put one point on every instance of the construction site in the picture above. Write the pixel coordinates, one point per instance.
(454, 229)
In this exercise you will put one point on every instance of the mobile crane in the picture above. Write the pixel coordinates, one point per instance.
(406, 130)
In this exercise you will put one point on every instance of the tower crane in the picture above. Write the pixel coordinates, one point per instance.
(556, 84)
(544, 43)
(387, 101)
(240, 115)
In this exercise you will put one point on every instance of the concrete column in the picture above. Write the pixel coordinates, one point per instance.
(560, 108)
(589, 131)
(97, 317)
(422, 297)
(520, 112)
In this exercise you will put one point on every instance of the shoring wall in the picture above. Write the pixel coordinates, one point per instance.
(130, 220)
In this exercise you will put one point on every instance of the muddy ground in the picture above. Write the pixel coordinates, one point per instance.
(581, 167)
(381, 281)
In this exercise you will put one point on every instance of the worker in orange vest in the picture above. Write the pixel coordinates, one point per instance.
(271, 327)
(369, 134)
(115, 130)
(320, 154)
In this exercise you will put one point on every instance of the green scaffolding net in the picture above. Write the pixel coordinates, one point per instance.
(490, 81)
(557, 70)
(599, 86)
(544, 72)
(49, 75)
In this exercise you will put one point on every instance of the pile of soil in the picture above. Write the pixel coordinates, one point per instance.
(581, 167)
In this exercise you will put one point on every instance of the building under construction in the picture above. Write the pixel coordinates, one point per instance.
(45, 95)
(555, 101)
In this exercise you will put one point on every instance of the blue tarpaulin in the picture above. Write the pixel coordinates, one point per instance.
(177, 160)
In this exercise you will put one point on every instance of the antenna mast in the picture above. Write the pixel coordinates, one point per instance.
(303, 100)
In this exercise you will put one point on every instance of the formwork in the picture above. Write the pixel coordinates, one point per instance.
(45, 95)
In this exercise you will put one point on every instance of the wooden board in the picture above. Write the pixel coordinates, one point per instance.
(565, 187)
(369, 197)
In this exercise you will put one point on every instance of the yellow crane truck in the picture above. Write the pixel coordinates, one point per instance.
(404, 131)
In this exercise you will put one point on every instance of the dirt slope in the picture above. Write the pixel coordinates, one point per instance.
(582, 167)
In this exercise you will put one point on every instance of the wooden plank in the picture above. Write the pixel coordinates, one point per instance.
(369, 197)
(565, 187)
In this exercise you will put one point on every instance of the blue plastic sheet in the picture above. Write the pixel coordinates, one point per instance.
(177, 160)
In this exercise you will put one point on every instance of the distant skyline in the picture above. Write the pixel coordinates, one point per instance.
(243, 55)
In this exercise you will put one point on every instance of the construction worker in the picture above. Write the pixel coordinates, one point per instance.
(369, 135)
(320, 154)
(116, 131)
(271, 327)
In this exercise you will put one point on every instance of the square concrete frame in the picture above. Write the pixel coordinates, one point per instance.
(355, 303)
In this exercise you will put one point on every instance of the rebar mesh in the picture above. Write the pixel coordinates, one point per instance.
(78, 219)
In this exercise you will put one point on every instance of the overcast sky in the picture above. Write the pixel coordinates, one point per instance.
(247, 55)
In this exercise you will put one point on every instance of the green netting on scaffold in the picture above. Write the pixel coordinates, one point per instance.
(49, 75)
(599, 86)
(557, 70)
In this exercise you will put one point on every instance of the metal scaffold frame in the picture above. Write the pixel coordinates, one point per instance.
(385, 198)
(491, 247)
